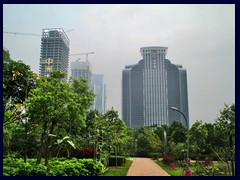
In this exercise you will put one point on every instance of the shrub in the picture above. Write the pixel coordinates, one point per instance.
(155, 155)
(142, 153)
(57, 167)
(83, 153)
(121, 160)
(104, 158)
(188, 172)
(208, 161)
(209, 171)
(168, 158)
(172, 166)
(75, 167)
(17, 167)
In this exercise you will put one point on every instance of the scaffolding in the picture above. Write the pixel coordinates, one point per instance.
(54, 47)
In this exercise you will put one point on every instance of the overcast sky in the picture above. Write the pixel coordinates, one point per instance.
(199, 37)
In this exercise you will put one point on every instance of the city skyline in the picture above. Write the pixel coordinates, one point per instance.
(201, 37)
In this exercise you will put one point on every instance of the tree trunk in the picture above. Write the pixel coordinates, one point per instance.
(41, 149)
(25, 142)
(232, 156)
(48, 143)
(116, 155)
(26, 127)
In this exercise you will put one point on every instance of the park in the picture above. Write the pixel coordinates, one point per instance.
(49, 130)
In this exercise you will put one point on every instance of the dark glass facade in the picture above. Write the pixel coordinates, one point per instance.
(151, 87)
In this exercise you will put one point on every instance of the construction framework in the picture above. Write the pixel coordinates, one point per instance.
(54, 51)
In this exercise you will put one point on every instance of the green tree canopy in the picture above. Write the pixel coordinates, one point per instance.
(58, 108)
(18, 80)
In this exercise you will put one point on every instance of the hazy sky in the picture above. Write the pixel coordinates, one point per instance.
(199, 37)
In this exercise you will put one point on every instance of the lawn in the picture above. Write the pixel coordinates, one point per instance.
(178, 171)
(119, 170)
(215, 169)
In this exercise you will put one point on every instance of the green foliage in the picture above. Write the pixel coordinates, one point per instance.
(168, 158)
(118, 171)
(146, 141)
(18, 80)
(179, 151)
(209, 170)
(198, 137)
(105, 132)
(178, 171)
(177, 132)
(64, 143)
(225, 131)
(57, 108)
(155, 155)
(57, 167)
(105, 158)
(17, 167)
(17, 77)
(121, 160)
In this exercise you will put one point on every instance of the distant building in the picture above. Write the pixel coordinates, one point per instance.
(99, 88)
(54, 51)
(82, 69)
(151, 87)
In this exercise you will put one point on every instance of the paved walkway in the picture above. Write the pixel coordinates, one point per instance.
(145, 167)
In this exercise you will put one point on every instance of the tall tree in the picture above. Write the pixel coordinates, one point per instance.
(178, 133)
(198, 135)
(18, 80)
(58, 108)
(116, 127)
(225, 126)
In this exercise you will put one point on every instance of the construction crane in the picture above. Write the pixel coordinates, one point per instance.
(16, 33)
(83, 54)
(29, 34)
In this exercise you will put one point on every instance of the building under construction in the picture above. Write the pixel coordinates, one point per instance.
(54, 51)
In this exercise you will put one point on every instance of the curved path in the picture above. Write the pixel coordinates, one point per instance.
(145, 167)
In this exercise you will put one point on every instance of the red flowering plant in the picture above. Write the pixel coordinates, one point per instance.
(167, 159)
(83, 153)
(172, 165)
(188, 172)
(88, 152)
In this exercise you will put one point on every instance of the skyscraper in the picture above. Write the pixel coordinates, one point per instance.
(151, 87)
(82, 69)
(98, 86)
(54, 51)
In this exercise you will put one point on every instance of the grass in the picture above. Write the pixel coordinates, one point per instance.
(172, 172)
(119, 170)
(179, 171)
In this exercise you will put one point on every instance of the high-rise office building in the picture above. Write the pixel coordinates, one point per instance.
(82, 69)
(151, 87)
(54, 51)
(98, 86)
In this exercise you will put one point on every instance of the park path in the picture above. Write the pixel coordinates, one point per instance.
(145, 167)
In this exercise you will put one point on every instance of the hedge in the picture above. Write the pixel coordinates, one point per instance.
(57, 167)
(121, 160)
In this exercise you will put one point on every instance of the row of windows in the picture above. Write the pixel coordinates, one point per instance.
(154, 50)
